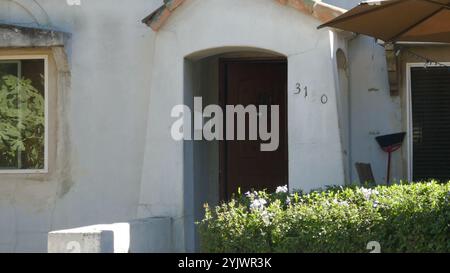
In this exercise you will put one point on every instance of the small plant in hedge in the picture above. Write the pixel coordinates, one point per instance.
(402, 218)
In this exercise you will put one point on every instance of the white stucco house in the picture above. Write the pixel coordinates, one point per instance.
(109, 81)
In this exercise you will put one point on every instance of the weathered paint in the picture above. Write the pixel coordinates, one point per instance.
(373, 113)
(319, 10)
(22, 37)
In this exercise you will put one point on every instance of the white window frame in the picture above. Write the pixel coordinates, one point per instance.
(409, 115)
(46, 112)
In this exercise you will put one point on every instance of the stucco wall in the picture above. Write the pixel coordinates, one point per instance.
(125, 81)
(374, 112)
(201, 158)
(110, 56)
(315, 152)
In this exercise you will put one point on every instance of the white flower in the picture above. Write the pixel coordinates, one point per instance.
(266, 217)
(376, 204)
(341, 203)
(368, 193)
(258, 204)
(251, 195)
(283, 189)
(288, 201)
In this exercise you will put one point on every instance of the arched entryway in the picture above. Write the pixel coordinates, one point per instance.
(215, 170)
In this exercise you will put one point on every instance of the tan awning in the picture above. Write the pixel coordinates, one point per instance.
(398, 20)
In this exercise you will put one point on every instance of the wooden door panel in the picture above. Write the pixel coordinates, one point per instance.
(246, 166)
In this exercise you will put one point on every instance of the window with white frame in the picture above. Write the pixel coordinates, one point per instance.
(23, 114)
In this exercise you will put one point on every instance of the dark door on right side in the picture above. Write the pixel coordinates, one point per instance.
(430, 89)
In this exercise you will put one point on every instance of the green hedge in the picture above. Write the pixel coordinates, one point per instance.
(402, 218)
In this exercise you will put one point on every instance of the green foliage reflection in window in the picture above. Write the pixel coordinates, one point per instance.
(22, 115)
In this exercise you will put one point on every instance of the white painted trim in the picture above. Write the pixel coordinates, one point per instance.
(409, 116)
(46, 76)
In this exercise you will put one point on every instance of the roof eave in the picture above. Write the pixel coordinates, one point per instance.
(319, 10)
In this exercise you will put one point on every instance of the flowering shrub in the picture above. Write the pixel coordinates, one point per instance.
(402, 218)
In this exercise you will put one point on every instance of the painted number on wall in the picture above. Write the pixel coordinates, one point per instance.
(299, 89)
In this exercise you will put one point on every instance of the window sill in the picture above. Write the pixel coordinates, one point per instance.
(24, 172)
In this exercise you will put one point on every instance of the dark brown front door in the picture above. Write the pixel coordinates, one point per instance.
(243, 164)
